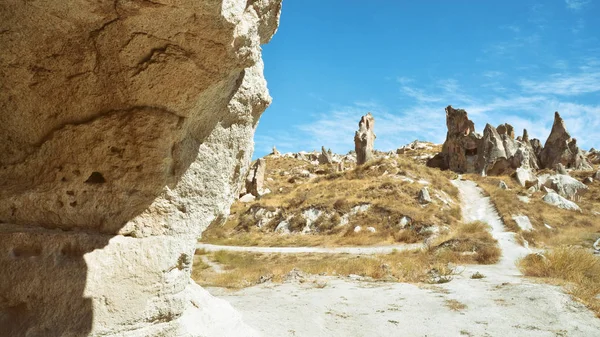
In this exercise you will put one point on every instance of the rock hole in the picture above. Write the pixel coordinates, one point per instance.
(95, 178)
(471, 152)
(70, 193)
(26, 251)
(73, 204)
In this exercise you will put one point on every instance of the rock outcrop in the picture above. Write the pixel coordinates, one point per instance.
(560, 148)
(498, 152)
(460, 149)
(255, 180)
(125, 130)
(325, 157)
(364, 139)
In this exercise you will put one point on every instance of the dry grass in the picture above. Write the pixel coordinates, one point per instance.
(568, 227)
(470, 243)
(377, 183)
(245, 269)
(576, 268)
(455, 305)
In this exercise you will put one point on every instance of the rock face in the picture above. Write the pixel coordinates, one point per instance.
(255, 180)
(460, 149)
(498, 152)
(125, 130)
(560, 148)
(364, 139)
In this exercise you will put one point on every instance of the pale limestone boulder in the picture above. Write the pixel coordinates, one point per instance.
(563, 184)
(125, 130)
(555, 199)
(525, 177)
(424, 196)
(364, 139)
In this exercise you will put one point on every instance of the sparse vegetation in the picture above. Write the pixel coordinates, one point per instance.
(470, 243)
(430, 266)
(477, 276)
(455, 305)
(576, 268)
(389, 186)
(566, 227)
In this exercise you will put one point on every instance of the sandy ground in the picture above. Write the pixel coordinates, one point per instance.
(502, 304)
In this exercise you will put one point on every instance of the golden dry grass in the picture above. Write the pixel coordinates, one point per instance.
(455, 305)
(568, 227)
(576, 268)
(471, 243)
(375, 183)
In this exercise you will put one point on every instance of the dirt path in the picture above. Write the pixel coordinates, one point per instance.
(501, 304)
(476, 207)
(368, 250)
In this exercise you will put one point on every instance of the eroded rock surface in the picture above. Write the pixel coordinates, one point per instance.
(560, 148)
(125, 130)
(364, 139)
(497, 151)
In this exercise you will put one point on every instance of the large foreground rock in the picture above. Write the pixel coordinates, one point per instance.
(125, 130)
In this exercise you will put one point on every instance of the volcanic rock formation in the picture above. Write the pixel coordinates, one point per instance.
(498, 152)
(364, 139)
(125, 130)
(560, 148)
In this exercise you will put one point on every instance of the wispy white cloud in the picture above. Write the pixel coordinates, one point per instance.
(576, 4)
(492, 74)
(564, 84)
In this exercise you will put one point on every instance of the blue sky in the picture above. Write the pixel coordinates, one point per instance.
(503, 61)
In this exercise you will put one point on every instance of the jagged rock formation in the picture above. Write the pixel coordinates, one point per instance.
(498, 152)
(325, 157)
(459, 152)
(255, 180)
(275, 152)
(125, 130)
(364, 139)
(560, 148)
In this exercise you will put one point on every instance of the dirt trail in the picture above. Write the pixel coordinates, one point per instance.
(502, 304)
(367, 250)
(477, 207)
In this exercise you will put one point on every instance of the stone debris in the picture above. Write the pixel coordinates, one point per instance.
(523, 222)
(503, 185)
(424, 197)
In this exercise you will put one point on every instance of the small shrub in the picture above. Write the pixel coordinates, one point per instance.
(477, 276)
(297, 223)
